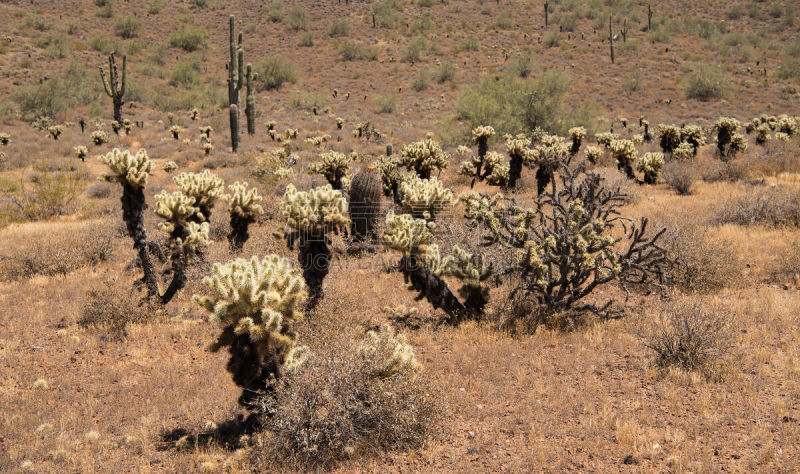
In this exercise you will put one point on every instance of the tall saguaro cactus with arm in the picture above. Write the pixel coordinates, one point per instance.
(611, 38)
(235, 79)
(114, 84)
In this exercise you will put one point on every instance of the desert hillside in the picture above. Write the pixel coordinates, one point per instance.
(399, 235)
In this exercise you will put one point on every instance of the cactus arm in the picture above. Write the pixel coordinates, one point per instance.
(106, 86)
(124, 76)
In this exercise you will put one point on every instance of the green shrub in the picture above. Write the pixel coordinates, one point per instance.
(185, 73)
(105, 12)
(303, 100)
(386, 13)
(273, 72)
(446, 72)
(54, 45)
(789, 69)
(421, 23)
(103, 44)
(275, 12)
(350, 51)
(307, 39)
(415, 49)
(36, 22)
(514, 105)
(505, 20)
(706, 83)
(296, 19)
(386, 103)
(551, 39)
(155, 6)
(71, 88)
(127, 27)
(339, 28)
(189, 38)
(421, 80)
(470, 43)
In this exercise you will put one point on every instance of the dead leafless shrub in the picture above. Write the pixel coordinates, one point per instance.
(99, 190)
(731, 171)
(689, 336)
(613, 179)
(769, 206)
(680, 176)
(336, 409)
(702, 262)
(113, 306)
(53, 249)
(775, 158)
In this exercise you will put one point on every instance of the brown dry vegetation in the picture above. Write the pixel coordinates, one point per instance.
(90, 380)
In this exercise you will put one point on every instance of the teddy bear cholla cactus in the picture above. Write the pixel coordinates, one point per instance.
(424, 157)
(762, 134)
(577, 134)
(390, 177)
(624, 152)
(547, 155)
(726, 127)
(335, 167)
(255, 302)
(693, 135)
(684, 151)
(318, 140)
(669, 137)
(99, 137)
(204, 188)
(5, 139)
(131, 171)
(425, 198)
(243, 205)
(312, 217)
(519, 152)
(422, 268)
(650, 164)
(81, 152)
(388, 354)
(593, 154)
(176, 131)
(55, 131)
(605, 138)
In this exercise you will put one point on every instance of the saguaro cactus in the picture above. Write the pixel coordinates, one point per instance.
(234, 114)
(312, 217)
(546, 19)
(611, 38)
(255, 303)
(649, 17)
(250, 103)
(365, 203)
(114, 84)
(235, 79)
(131, 171)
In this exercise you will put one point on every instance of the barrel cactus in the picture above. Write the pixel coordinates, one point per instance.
(255, 303)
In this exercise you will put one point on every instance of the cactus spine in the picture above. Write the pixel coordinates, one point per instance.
(365, 203)
(114, 84)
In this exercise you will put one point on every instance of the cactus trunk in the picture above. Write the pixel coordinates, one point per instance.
(239, 230)
(133, 205)
(514, 171)
(420, 278)
(234, 113)
(315, 260)
(611, 38)
(250, 103)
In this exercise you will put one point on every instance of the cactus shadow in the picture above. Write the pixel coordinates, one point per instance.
(227, 435)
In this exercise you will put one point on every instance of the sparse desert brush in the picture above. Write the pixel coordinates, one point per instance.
(425, 198)
(680, 176)
(565, 249)
(53, 249)
(373, 399)
(707, 83)
(48, 194)
(613, 180)
(312, 218)
(113, 306)
(772, 207)
(691, 336)
(335, 167)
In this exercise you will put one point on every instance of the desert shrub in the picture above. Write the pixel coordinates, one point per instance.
(307, 39)
(189, 38)
(446, 72)
(731, 171)
(505, 20)
(520, 64)
(703, 262)
(36, 22)
(788, 69)
(680, 176)
(386, 13)
(300, 99)
(386, 103)
(127, 27)
(692, 337)
(415, 49)
(185, 73)
(350, 51)
(614, 180)
(53, 249)
(113, 306)
(767, 206)
(273, 72)
(470, 43)
(155, 6)
(339, 28)
(551, 39)
(368, 410)
(49, 194)
(513, 105)
(421, 81)
(706, 83)
(296, 18)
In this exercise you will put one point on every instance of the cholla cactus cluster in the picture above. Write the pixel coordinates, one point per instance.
(424, 157)
(425, 198)
(496, 170)
(624, 152)
(115, 126)
(726, 128)
(243, 206)
(763, 133)
(55, 131)
(481, 136)
(318, 140)
(128, 125)
(605, 138)
(207, 148)
(388, 354)
(99, 137)
(176, 208)
(255, 302)
(650, 164)
(316, 212)
(276, 164)
(81, 152)
(176, 131)
(205, 132)
(170, 166)
(684, 151)
(387, 168)
(407, 235)
(203, 187)
(194, 113)
(576, 134)
(127, 168)
(593, 154)
(519, 153)
(5, 139)
(335, 167)
(693, 135)
(669, 137)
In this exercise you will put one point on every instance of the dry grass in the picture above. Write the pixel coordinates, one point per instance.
(773, 207)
